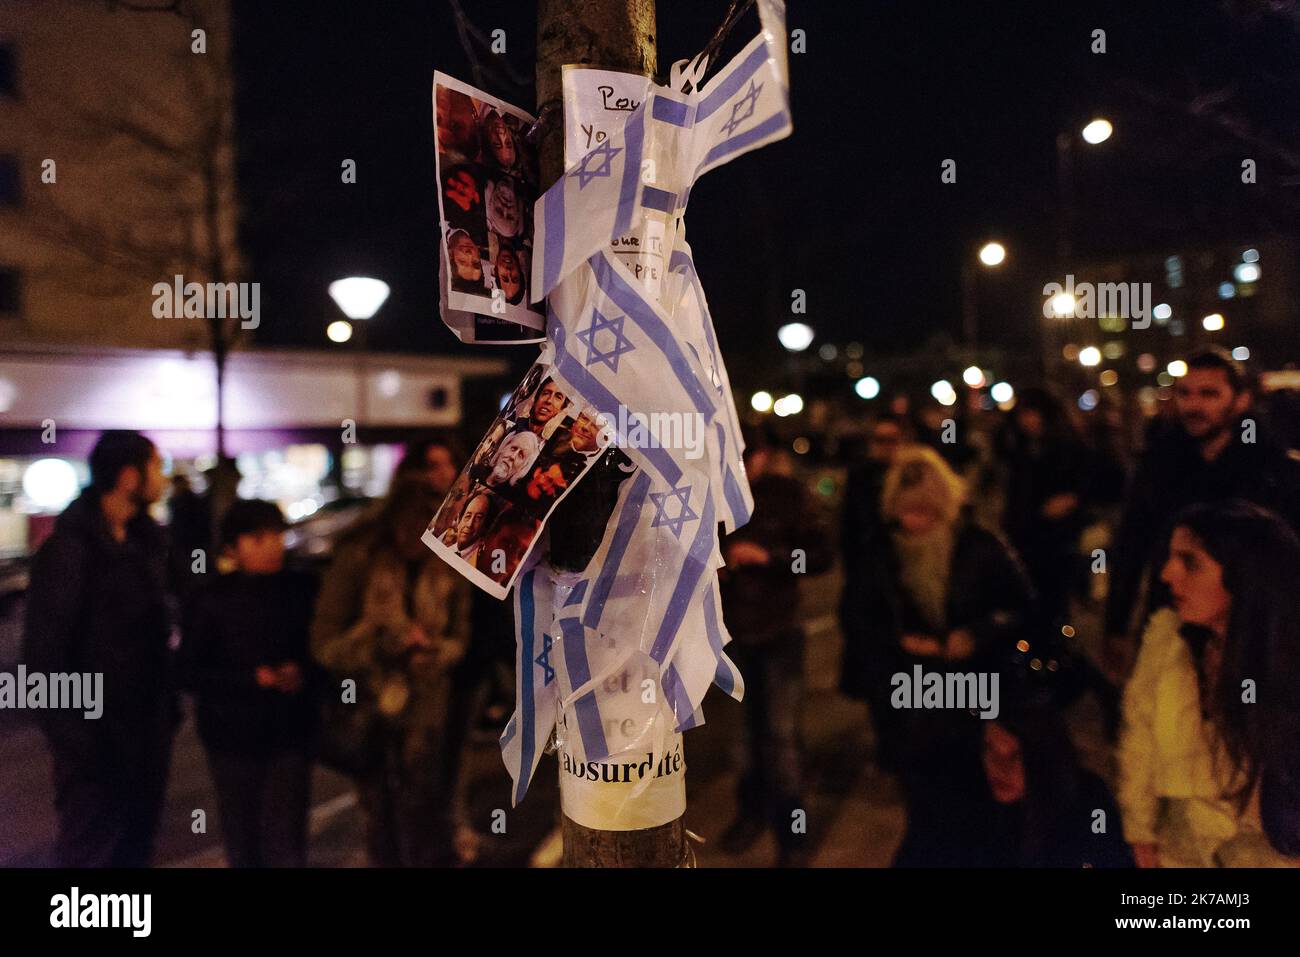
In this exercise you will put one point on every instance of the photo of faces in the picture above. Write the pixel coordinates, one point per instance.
(487, 179)
(536, 449)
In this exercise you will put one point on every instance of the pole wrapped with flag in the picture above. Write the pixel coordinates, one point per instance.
(637, 343)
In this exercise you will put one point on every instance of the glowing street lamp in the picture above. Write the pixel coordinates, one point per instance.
(993, 254)
(1098, 131)
(943, 392)
(340, 330)
(791, 404)
(795, 336)
(867, 387)
(359, 296)
(1063, 304)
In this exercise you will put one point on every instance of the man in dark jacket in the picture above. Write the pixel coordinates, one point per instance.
(97, 604)
(1216, 452)
(760, 601)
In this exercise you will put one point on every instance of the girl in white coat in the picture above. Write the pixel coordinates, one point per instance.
(1209, 756)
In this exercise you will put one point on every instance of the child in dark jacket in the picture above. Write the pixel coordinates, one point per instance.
(244, 656)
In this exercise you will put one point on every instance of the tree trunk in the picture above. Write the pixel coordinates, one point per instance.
(613, 35)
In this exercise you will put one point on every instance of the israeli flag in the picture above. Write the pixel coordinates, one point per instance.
(624, 355)
(666, 144)
(536, 687)
(726, 444)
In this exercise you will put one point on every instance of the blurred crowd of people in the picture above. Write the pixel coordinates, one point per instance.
(969, 546)
(367, 667)
(965, 547)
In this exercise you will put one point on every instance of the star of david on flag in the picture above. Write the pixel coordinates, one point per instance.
(682, 510)
(596, 164)
(591, 338)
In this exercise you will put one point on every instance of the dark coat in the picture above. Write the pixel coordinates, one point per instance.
(1171, 476)
(1036, 473)
(761, 602)
(988, 593)
(1062, 836)
(232, 626)
(860, 521)
(99, 605)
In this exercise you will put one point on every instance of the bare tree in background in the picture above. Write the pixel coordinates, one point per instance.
(135, 100)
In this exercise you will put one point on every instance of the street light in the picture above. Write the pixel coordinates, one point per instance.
(791, 404)
(867, 387)
(359, 296)
(761, 402)
(943, 392)
(795, 336)
(1063, 304)
(991, 255)
(1089, 356)
(1098, 131)
(1246, 272)
(340, 330)
(1213, 322)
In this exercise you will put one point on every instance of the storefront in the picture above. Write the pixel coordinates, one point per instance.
(305, 428)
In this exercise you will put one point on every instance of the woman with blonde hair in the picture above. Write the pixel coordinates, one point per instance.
(937, 591)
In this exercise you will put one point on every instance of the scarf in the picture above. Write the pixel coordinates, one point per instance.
(925, 564)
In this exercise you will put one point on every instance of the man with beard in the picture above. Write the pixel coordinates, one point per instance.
(96, 604)
(517, 454)
(505, 215)
(1216, 451)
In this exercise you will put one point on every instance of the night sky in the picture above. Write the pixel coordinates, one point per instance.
(850, 208)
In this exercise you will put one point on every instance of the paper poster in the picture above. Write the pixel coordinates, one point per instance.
(478, 329)
(487, 184)
(536, 449)
(596, 105)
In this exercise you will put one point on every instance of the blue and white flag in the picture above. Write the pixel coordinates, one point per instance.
(691, 311)
(647, 169)
(625, 356)
(636, 347)
(536, 689)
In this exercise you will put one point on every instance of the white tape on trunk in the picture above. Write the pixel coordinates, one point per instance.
(599, 795)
